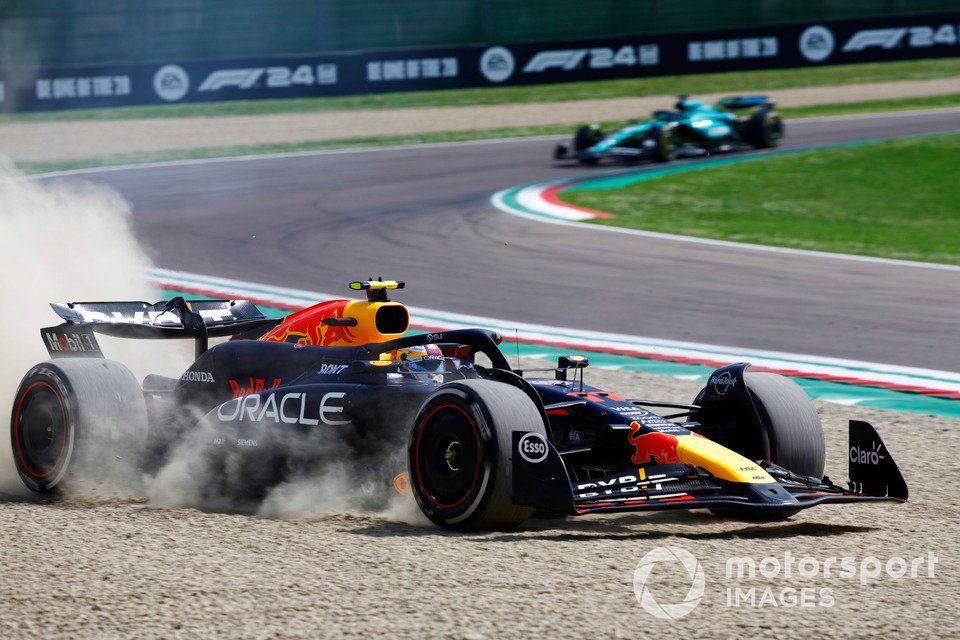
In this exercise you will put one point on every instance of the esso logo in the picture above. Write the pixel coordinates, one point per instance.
(533, 448)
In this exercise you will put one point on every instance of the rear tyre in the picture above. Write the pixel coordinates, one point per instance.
(762, 130)
(79, 418)
(459, 454)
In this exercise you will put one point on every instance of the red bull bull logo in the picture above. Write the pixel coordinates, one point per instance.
(306, 327)
(661, 447)
(338, 323)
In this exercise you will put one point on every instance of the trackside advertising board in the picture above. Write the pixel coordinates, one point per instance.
(337, 74)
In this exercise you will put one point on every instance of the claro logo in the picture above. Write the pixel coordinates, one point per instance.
(912, 37)
(863, 455)
(290, 408)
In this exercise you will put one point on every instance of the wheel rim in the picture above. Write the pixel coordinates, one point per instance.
(453, 454)
(447, 456)
(41, 430)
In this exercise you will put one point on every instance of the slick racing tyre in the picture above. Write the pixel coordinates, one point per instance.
(587, 136)
(78, 418)
(762, 130)
(459, 454)
(790, 420)
(790, 433)
(663, 150)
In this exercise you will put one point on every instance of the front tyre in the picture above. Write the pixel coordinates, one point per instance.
(790, 420)
(788, 434)
(79, 417)
(586, 136)
(662, 150)
(460, 454)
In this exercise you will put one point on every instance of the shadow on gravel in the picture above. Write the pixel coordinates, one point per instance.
(10, 498)
(624, 528)
(755, 532)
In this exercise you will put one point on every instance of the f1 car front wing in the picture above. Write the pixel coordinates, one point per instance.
(546, 484)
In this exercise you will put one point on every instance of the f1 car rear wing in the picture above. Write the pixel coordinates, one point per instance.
(175, 318)
(745, 102)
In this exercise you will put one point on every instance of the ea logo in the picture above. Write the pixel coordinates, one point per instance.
(497, 64)
(646, 567)
(171, 82)
(816, 43)
(533, 448)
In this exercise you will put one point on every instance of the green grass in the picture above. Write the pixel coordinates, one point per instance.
(767, 80)
(449, 136)
(895, 199)
(873, 106)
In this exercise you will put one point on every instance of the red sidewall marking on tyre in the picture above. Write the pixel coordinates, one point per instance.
(416, 458)
(16, 427)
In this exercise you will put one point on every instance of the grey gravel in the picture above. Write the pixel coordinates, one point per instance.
(84, 567)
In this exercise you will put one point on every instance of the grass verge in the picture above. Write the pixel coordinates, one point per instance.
(895, 199)
(449, 136)
(766, 80)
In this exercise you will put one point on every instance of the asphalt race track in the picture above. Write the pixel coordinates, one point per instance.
(423, 215)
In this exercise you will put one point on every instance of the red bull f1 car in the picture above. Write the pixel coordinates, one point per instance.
(442, 415)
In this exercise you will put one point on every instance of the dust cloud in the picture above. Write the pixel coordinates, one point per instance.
(67, 240)
(61, 241)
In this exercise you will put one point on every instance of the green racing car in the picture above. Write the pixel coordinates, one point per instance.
(691, 128)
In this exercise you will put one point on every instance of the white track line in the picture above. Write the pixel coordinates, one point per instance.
(812, 366)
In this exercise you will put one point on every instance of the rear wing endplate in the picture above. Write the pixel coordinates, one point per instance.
(175, 318)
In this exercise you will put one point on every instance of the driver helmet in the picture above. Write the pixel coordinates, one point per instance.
(419, 359)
